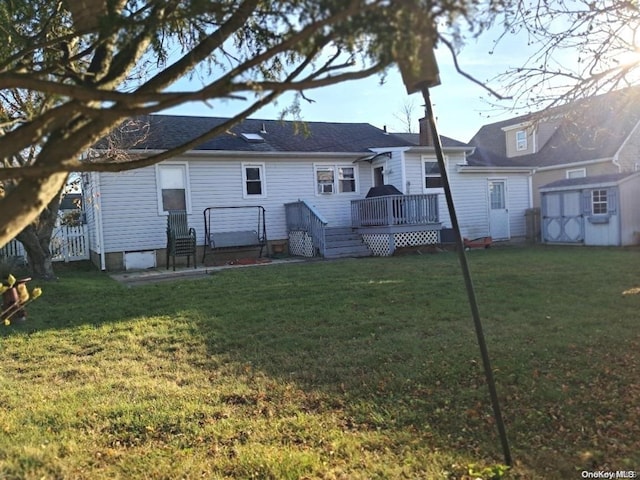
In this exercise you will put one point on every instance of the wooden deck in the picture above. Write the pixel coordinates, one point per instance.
(395, 213)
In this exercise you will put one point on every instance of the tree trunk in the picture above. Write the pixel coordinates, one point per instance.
(36, 239)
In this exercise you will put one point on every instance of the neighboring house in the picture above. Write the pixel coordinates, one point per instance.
(312, 178)
(590, 137)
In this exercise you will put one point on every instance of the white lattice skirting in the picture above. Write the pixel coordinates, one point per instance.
(383, 245)
(300, 244)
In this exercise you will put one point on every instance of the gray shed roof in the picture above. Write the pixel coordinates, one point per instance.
(596, 180)
(589, 129)
(169, 131)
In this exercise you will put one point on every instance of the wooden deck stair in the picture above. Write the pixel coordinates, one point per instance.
(341, 242)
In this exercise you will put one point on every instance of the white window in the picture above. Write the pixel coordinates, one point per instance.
(324, 180)
(346, 179)
(599, 202)
(521, 140)
(332, 179)
(173, 188)
(431, 173)
(253, 180)
(576, 173)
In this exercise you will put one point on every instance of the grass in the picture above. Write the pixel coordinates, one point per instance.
(355, 369)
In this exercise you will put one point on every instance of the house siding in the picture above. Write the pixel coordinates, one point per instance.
(132, 222)
(129, 210)
(469, 195)
(628, 158)
(394, 173)
(630, 212)
(545, 177)
(470, 199)
(510, 139)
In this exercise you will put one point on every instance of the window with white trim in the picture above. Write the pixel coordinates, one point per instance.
(521, 140)
(346, 179)
(599, 202)
(576, 173)
(173, 187)
(431, 173)
(335, 179)
(253, 180)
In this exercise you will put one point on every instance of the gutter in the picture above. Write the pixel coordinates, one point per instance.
(615, 158)
(494, 169)
(574, 164)
(251, 153)
(432, 150)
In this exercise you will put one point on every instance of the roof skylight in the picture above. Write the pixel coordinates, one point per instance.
(252, 138)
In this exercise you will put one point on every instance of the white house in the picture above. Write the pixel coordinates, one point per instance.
(311, 179)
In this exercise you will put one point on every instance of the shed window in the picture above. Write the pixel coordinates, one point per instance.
(172, 187)
(599, 202)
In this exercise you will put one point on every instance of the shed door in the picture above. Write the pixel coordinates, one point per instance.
(562, 220)
(498, 213)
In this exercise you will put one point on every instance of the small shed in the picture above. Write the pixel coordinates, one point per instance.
(597, 210)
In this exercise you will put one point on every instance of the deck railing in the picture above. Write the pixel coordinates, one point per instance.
(302, 216)
(395, 210)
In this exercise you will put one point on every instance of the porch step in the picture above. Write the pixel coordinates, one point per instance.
(342, 242)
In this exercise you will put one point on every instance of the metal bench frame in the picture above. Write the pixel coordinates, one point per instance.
(234, 239)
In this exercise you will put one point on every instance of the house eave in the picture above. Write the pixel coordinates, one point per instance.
(423, 149)
(493, 169)
(249, 153)
(572, 164)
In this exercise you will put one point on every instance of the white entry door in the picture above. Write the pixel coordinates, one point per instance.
(498, 212)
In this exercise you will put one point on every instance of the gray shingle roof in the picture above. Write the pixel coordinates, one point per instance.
(169, 131)
(415, 139)
(607, 179)
(588, 129)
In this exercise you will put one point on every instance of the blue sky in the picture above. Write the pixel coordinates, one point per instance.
(458, 102)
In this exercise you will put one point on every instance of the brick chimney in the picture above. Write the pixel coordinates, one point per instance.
(426, 138)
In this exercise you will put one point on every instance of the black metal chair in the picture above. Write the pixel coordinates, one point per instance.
(181, 240)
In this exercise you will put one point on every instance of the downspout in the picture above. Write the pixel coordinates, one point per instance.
(403, 172)
(615, 161)
(531, 174)
(100, 232)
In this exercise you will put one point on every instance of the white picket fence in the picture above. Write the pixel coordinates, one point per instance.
(68, 244)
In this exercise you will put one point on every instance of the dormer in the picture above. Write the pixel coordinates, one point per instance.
(520, 139)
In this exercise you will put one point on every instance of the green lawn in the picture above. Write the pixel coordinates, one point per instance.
(355, 369)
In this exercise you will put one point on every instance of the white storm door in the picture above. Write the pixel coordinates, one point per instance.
(498, 212)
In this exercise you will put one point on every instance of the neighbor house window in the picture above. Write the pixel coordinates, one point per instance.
(577, 173)
(521, 140)
(253, 180)
(432, 174)
(599, 202)
(332, 179)
(173, 191)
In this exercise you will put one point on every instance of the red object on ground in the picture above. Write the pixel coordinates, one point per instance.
(481, 242)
